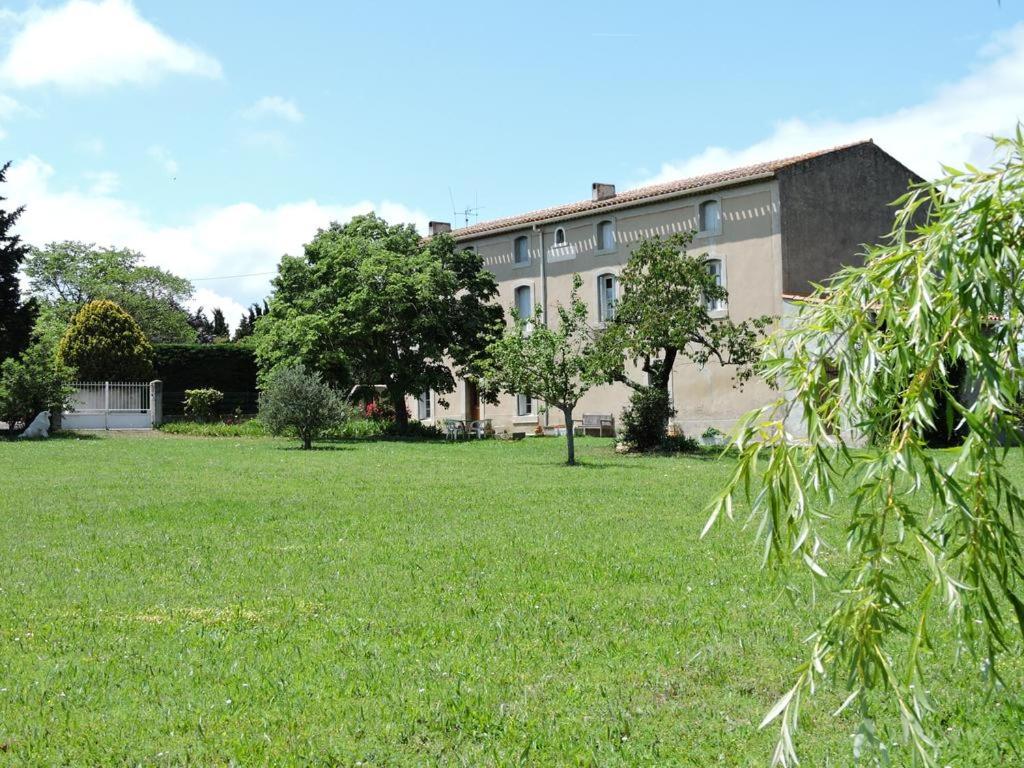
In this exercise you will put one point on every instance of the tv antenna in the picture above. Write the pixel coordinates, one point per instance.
(467, 213)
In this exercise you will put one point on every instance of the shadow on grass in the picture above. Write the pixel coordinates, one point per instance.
(330, 446)
(62, 435)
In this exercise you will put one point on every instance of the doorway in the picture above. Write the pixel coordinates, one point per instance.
(472, 401)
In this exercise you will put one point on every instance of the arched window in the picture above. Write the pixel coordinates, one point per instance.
(607, 290)
(524, 302)
(717, 272)
(710, 219)
(522, 250)
(559, 236)
(606, 236)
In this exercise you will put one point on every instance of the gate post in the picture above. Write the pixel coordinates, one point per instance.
(156, 403)
(106, 405)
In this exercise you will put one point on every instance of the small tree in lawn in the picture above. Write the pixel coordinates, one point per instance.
(295, 401)
(555, 364)
(666, 312)
(104, 343)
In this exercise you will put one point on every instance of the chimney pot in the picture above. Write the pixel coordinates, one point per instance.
(439, 227)
(602, 191)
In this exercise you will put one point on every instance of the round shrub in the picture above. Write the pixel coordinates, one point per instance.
(104, 343)
(645, 419)
(296, 401)
(201, 404)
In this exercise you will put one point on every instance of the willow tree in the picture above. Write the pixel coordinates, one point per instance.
(874, 354)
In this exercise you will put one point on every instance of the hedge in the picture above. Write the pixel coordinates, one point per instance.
(230, 368)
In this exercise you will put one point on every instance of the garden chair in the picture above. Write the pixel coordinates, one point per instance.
(479, 428)
(453, 429)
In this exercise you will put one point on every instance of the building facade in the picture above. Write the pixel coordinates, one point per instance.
(769, 231)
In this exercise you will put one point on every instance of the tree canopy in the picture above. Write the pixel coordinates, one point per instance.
(373, 303)
(556, 363)
(665, 313)
(104, 343)
(16, 316)
(65, 276)
(872, 353)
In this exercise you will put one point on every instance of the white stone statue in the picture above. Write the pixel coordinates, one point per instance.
(40, 426)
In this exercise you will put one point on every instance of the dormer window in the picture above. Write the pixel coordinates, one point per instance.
(710, 217)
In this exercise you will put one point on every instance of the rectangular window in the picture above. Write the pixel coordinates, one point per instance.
(710, 217)
(606, 236)
(524, 302)
(522, 250)
(524, 405)
(606, 286)
(423, 406)
(714, 267)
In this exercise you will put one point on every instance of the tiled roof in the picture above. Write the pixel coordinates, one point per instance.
(640, 194)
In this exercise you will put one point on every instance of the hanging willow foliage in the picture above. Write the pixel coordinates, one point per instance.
(879, 354)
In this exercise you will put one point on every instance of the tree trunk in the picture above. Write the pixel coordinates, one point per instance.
(401, 415)
(665, 372)
(569, 436)
(307, 442)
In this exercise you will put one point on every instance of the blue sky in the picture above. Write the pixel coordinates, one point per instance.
(215, 136)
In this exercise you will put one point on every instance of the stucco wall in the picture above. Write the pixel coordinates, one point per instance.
(748, 244)
(831, 206)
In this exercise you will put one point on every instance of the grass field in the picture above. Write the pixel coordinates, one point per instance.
(172, 601)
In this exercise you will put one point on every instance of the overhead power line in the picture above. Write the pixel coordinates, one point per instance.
(229, 277)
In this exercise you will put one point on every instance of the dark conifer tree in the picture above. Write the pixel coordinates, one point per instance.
(16, 316)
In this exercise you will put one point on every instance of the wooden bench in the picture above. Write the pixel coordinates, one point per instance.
(599, 424)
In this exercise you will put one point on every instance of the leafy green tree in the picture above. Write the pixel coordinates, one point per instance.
(294, 400)
(104, 343)
(16, 316)
(64, 276)
(556, 364)
(929, 533)
(31, 383)
(666, 313)
(372, 303)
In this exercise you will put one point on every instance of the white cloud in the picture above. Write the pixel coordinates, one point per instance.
(11, 107)
(275, 106)
(103, 182)
(210, 300)
(88, 44)
(951, 127)
(164, 158)
(234, 240)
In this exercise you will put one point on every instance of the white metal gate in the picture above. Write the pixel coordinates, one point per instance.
(112, 405)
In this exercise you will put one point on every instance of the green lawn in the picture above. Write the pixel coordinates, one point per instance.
(171, 601)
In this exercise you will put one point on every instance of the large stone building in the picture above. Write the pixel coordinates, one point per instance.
(770, 230)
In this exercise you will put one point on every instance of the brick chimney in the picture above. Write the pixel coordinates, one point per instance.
(602, 191)
(439, 227)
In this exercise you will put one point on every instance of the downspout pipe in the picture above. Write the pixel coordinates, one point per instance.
(543, 296)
